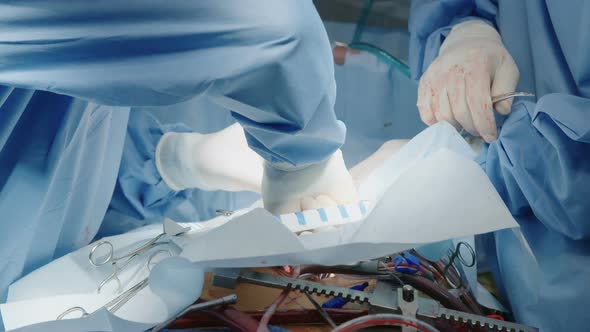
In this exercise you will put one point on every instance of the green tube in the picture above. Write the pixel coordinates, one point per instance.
(383, 55)
(362, 21)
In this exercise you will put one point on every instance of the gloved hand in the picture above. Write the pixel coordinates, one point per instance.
(218, 161)
(316, 186)
(472, 66)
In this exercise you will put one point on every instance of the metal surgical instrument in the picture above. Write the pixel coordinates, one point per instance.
(196, 307)
(113, 305)
(97, 258)
(453, 255)
(504, 96)
(116, 303)
(385, 298)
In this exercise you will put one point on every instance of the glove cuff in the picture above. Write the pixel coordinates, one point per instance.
(472, 30)
(174, 160)
(275, 169)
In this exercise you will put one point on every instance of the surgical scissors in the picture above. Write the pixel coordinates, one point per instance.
(116, 303)
(98, 259)
(453, 255)
(113, 305)
(504, 96)
(499, 98)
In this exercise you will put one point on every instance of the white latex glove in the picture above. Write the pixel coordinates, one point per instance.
(361, 171)
(316, 186)
(218, 161)
(472, 66)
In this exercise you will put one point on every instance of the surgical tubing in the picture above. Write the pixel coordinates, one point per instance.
(467, 296)
(425, 262)
(263, 325)
(451, 275)
(362, 21)
(235, 319)
(471, 302)
(380, 53)
(384, 320)
(383, 55)
(436, 292)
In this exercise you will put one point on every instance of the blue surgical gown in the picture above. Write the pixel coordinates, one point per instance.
(71, 72)
(540, 163)
(269, 62)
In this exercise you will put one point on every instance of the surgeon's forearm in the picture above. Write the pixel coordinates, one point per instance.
(267, 61)
(223, 161)
(227, 162)
(285, 99)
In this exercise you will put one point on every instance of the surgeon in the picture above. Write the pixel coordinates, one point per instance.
(72, 72)
(538, 151)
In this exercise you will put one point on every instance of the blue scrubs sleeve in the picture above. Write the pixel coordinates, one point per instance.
(540, 164)
(431, 21)
(140, 191)
(268, 61)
